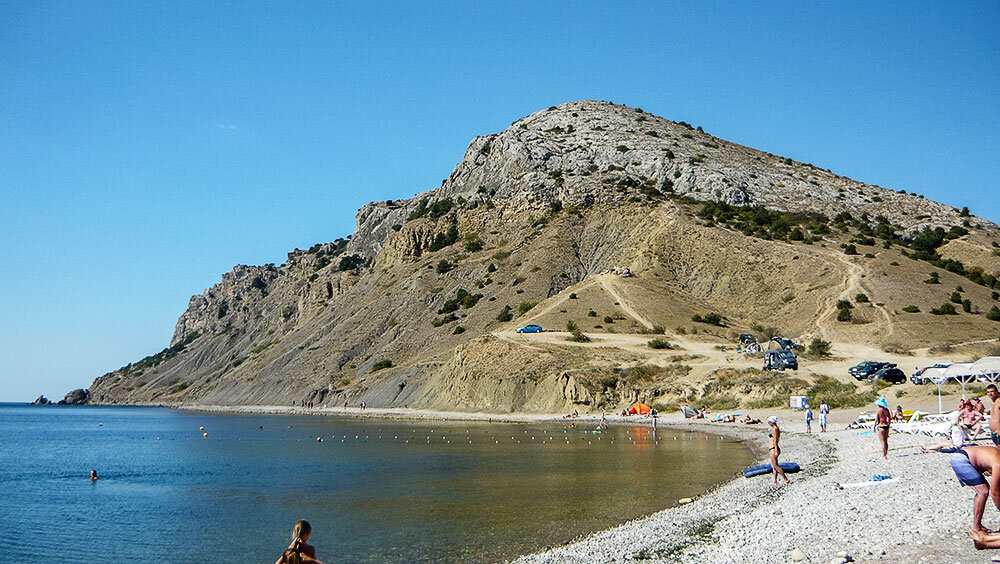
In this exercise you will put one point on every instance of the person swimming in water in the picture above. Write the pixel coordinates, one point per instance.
(93, 476)
(299, 552)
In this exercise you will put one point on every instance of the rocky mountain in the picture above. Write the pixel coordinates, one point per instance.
(416, 307)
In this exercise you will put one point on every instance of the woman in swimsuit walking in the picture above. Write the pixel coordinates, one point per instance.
(774, 449)
(882, 419)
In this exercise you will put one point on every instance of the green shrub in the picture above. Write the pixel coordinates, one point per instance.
(440, 207)
(591, 313)
(458, 330)
(843, 315)
(506, 314)
(608, 319)
(444, 266)
(525, 307)
(934, 279)
(439, 321)
(956, 298)
(446, 239)
(945, 309)
(911, 309)
(471, 243)
(381, 365)
(659, 330)
(819, 347)
(659, 344)
(844, 304)
(500, 254)
(993, 314)
(850, 249)
(572, 295)
(709, 318)
(967, 305)
(462, 299)
(351, 262)
(861, 298)
(622, 148)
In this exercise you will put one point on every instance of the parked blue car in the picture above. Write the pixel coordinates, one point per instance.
(530, 329)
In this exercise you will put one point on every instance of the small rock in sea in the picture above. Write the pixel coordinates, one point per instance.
(797, 555)
(684, 500)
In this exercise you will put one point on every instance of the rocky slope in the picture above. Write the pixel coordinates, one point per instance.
(415, 307)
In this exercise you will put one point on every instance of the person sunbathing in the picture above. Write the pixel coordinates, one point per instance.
(898, 415)
(957, 437)
(750, 421)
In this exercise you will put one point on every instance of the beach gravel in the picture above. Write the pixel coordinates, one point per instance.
(920, 518)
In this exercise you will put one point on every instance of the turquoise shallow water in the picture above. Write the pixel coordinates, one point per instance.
(374, 490)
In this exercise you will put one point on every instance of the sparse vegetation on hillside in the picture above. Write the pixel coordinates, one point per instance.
(945, 309)
(709, 318)
(911, 309)
(462, 299)
(525, 307)
(993, 314)
(506, 314)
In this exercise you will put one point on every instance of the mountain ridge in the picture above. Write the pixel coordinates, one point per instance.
(396, 314)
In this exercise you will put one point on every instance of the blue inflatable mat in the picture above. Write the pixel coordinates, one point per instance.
(788, 467)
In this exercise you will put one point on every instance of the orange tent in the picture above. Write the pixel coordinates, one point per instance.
(639, 409)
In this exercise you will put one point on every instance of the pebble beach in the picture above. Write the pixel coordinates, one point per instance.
(922, 517)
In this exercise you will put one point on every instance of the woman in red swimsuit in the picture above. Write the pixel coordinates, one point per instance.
(882, 419)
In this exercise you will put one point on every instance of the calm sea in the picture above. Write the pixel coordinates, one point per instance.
(374, 490)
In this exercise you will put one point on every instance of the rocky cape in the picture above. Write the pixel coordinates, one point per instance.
(415, 308)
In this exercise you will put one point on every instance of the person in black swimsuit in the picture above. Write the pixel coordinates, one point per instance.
(774, 449)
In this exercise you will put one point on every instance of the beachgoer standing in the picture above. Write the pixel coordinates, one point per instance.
(824, 410)
(882, 419)
(970, 464)
(299, 552)
(774, 449)
(809, 419)
(604, 419)
(993, 394)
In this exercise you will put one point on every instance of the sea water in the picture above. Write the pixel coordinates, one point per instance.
(374, 490)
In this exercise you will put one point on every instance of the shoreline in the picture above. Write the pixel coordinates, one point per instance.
(922, 517)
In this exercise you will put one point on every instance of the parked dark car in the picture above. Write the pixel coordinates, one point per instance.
(892, 375)
(865, 369)
(747, 338)
(780, 360)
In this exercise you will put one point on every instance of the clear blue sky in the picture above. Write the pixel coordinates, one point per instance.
(146, 148)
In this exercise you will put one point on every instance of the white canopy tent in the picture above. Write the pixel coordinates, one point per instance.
(986, 368)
